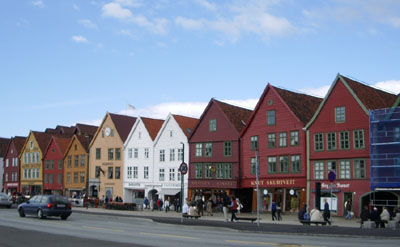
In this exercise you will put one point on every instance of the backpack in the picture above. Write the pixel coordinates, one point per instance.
(306, 216)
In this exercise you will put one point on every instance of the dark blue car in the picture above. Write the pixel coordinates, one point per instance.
(46, 205)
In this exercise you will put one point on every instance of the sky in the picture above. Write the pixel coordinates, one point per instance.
(64, 62)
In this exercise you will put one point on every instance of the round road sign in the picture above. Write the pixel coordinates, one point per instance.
(332, 176)
(183, 168)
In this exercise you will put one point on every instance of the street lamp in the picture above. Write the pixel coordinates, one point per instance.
(183, 170)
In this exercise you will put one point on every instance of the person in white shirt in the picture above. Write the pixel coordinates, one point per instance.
(185, 208)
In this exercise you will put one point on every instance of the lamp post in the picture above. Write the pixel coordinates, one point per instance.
(183, 170)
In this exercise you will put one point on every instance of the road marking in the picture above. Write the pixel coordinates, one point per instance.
(103, 229)
(168, 235)
(274, 244)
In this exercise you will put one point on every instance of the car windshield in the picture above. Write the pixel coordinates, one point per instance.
(59, 199)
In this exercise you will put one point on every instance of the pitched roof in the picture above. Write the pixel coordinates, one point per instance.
(62, 143)
(85, 129)
(152, 126)
(187, 124)
(238, 116)
(65, 129)
(19, 142)
(85, 140)
(4, 142)
(123, 124)
(302, 105)
(372, 98)
(42, 139)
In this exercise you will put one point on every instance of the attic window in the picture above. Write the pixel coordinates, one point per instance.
(270, 102)
(76, 147)
(188, 130)
(31, 145)
(52, 150)
(213, 125)
(340, 114)
(170, 133)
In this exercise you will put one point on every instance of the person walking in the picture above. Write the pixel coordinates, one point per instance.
(385, 216)
(239, 205)
(233, 207)
(327, 212)
(279, 210)
(225, 203)
(209, 207)
(375, 216)
(146, 203)
(166, 203)
(185, 208)
(273, 210)
(347, 205)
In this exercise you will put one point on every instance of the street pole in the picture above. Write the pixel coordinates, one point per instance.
(182, 176)
(258, 190)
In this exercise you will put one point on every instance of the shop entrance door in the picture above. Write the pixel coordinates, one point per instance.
(347, 196)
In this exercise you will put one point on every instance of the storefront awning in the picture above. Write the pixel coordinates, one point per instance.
(172, 191)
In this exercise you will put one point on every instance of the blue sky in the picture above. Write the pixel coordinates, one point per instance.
(63, 62)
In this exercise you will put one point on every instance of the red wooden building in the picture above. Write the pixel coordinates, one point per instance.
(215, 150)
(274, 136)
(338, 137)
(11, 176)
(53, 168)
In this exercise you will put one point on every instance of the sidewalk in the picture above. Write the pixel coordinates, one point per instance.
(288, 218)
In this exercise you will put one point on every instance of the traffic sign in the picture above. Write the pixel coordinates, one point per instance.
(332, 176)
(183, 168)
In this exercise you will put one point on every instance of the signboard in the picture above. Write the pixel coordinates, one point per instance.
(332, 201)
(183, 168)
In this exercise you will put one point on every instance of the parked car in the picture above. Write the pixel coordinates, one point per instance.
(46, 205)
(5, 200)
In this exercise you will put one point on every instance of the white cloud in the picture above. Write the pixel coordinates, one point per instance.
(88, 24)
(390, 85)
(394, 21)
(79, 39)
(76, 7)
(128, 33)
(207, 5)
(115, 10)
(189, 23)
(39, 4)
(161, 44)
(130, 3)
(319, 91)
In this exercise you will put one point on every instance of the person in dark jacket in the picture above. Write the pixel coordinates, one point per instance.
(375, 216)
(365, 214)
(327, 212)
(302, 211)
(273, 210)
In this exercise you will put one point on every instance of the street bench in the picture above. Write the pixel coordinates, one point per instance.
(308, 222)
(246, 218)
(191, 216)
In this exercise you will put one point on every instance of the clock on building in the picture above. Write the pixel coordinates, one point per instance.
(108, 131)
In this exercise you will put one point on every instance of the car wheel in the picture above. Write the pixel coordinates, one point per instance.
(21, 212)
(40, 214)
(64, 217)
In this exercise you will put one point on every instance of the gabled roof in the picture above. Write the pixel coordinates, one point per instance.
(42, 139)
(4, 142)
(123, 124)
(65, 129)
(237, 116)
(187, 124)
(19, 142)
(85, 129)
(84, 140)
(152, 126)
(302, 106)
(61, 142)
(368, 98)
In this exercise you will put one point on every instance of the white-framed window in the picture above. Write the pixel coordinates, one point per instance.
(199, 170)
(129, 172)
(136, 153)
(170, 133)
(296, 163)
(319, 142)
(180, 154)
(199, 149)
(223, 170)
(162, 155)
(146, 172)
(331, 166)
(359, 139)
(7, 160)
(146, 153)
(213, 125)
(31, 145)
(319, 170)
(345, 169)
(13, 162)
(344, 140)
(271, 165)
(340, 114)
(359, 169)
(282, 139)
(271, 117)
(6, 177)
(294, 138)
(140, 135)
(129, 153)
(172, 154)
(283, 164)
(179, 176)
(162, 174)
(135, 172)
(331, 141)
(253, 165)
(171, 174)
(208, 148)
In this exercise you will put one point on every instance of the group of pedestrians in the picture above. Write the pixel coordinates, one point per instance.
(379, 218)
(276, 210)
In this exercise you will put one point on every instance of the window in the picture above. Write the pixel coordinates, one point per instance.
(110, 172)
(358, 139)
(199, 170)
(180, 154)
(112, 132)
(172, 154)
(69, 161)
(271, 165)
(7, 160)
(331, 166)
(82, 177)
(52, 164)
(319, 142)
(296, 165)
(294, 138)
(135, 153)
(110, 153)
(129, 153)
(179, 176)
(129, 172)
(162, 155)
(102, 133)
(254, 142)
(146, 153)
(135, 172)
(208, 149)
(98, 153)
(270, 117)
(331, 141)
(340, 114)
(319, 170)
(83, 157)
(75, 177)
(345, 169)
(282, 139)
(140, 135)
(117, 154)
(344, 140)
(60, 164)
(170, 133)
(171, 174)
(76, 160)
(162, 175)
(59, 178)
(117, 172)
(227, 149)
(146, 172)
(97, 171)
(46, 164)
(224, 171)
(253, 165)
(68, 178)
(31, 145)
(284, 164)
(207, 170)
(359, 169)
(213, 124)
(199, 149)
(271, 140)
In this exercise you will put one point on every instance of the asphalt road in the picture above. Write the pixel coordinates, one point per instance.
(111, 230)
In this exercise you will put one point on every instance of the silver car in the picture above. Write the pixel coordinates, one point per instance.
(5, 200)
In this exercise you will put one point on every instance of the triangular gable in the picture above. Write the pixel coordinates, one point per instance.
(123, 124)
(4, 146)
(85, 129)
(153, 126)
(18, 141)
(61, 143)
(187, 124)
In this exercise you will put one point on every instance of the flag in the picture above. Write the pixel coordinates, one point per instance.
(131, 107)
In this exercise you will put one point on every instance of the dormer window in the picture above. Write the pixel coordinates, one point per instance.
(31, 145)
